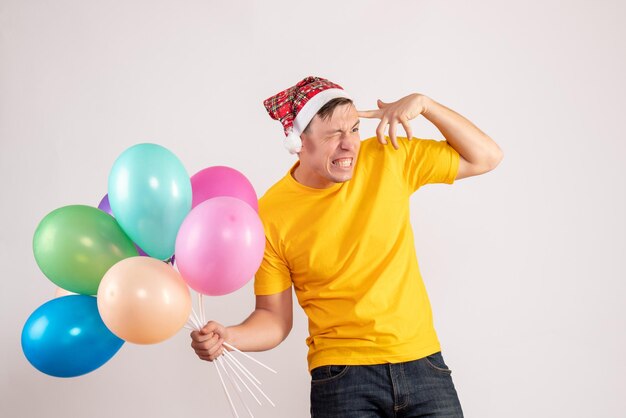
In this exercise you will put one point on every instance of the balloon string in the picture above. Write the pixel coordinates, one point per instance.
(195, 316)
(254, 384)
(249, 357)
(191, 320)
(201, 305)
(228, 362)
(226, 390)
(234, 383)
(220, 361)
(241, 367)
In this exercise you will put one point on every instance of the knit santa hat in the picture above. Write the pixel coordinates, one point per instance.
(296, 106)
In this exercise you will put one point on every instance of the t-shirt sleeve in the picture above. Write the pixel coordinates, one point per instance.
(428, 161)
(273, 276)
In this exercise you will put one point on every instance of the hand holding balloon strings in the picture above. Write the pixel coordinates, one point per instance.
(194, 323)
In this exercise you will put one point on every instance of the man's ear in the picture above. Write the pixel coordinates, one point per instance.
(302, 141)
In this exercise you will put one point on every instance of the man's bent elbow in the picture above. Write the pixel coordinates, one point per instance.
(286, 329)
(485, 164)
(495, 159)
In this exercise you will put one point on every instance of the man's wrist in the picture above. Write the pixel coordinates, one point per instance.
(424, 102)
(230, 335)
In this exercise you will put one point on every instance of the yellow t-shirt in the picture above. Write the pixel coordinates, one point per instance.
(349, 252)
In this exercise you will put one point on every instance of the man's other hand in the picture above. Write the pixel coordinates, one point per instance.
(400, 111)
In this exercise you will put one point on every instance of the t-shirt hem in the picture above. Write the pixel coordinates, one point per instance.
(454, 167)
(271, 290)
(372, 360)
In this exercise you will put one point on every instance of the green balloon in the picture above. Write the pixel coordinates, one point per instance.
(75, 246)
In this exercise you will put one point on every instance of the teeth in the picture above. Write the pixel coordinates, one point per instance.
(344, 162)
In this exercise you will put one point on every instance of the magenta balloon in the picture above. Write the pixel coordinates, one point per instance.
(222, 181)
(220, 246)
(105, 206)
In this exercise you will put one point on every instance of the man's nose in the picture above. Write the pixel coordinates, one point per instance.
(348, 142)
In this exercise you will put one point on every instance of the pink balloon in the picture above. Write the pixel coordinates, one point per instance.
(220, 246)
(222, 181)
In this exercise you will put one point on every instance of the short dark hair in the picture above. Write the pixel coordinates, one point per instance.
(327, 110)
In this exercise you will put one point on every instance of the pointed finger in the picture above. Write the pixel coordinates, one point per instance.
(370, 114)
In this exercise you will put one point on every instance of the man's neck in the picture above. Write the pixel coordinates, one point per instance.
(300, 176)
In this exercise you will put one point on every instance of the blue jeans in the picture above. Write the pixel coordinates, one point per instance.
(420, 388)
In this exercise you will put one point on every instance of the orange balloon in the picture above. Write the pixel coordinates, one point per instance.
(62, 292)
(143, 300)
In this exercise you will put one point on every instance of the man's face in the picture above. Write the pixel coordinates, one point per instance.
(330, 148)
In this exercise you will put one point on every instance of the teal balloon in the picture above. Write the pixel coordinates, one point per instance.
(150, 196)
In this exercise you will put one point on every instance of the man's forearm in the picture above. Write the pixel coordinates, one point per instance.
(262, 330)
(470, 142)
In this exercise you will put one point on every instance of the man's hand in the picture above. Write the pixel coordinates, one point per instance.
(207, 343)
(401, 111)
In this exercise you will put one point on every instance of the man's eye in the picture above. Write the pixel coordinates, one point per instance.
(355, 129)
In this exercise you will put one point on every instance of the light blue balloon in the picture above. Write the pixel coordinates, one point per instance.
(65, 337)
(150, 196)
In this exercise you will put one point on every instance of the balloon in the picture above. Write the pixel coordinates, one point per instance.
(220, 246)
(66, 337)
(150, 195)
(143, 300)
(75, 245)
(106, 207)
(222, 181)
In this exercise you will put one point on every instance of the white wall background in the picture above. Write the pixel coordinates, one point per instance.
(524, 265)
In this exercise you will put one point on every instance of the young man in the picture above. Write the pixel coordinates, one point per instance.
(338, 231)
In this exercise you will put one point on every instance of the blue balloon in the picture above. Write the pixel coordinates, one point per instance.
(65, 337)
(150, 195)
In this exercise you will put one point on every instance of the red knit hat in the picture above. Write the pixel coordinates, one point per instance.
(296, 106)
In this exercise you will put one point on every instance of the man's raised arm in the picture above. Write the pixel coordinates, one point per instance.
(479, 153)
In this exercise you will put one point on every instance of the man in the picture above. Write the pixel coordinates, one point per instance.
(338, 230)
